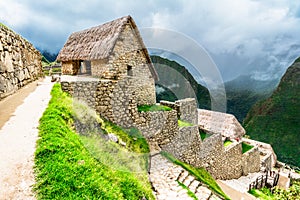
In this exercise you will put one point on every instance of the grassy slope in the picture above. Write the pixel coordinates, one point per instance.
(65, 169)
(276, 120)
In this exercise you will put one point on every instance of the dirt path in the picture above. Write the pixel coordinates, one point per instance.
(10, 103)
(17, 140)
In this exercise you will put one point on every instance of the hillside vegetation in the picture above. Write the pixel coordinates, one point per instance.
(179, 83)
(243, 92)
(276, 119)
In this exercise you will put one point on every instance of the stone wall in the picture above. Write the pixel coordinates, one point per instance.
(185, 144)
(20, 62)
(268, 157)
(115, 101)
(251, 161)
(186, 109)
(158, 127)
(226, 162)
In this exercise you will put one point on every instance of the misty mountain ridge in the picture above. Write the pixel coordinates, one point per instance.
(250, 83)
(276, 119)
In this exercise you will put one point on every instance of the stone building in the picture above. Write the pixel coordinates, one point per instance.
(112, 51)
(20, 62)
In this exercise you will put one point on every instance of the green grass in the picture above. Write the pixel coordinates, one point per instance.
(199, 173)
(293, 193)
(132, 137)
(227, 143)
(189, 192)
(246, 147)
(184, 123)
(203, 134)
(262, 194)
(151, 108)
(65, 169)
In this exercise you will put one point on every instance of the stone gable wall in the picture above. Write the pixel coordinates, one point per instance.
(128, 52)
(20, 62)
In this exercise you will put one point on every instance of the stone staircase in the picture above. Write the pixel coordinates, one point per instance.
(195, 186)
(164, 177)
(242, 184)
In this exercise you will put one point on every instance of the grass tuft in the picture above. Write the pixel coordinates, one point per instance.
(203, 134)
(227, 143)
(189, 192)
(184, 123)
(151, 108)
(246, 147)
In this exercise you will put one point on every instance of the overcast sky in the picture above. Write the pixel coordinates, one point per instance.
(259, 38)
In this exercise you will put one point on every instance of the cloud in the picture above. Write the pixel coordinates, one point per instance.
(242, 36)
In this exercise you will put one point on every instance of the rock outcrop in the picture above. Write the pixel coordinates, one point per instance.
(20, 62)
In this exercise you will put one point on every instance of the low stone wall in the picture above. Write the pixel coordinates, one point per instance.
(251, 161)
(158, 127)
(85, 91)
(186, 109)
(266, 162)
(20, 62)
(267, 153)
(185, 144)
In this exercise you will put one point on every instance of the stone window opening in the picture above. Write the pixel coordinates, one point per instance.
(129, 70)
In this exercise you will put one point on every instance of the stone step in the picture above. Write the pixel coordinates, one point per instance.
(234, 183)
(203, 193)
(194, 186)
(182, 176)
(187, 181)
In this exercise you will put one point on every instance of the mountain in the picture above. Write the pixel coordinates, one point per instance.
(244, 91)
(50, 57)
(276, 119)
(176, 82)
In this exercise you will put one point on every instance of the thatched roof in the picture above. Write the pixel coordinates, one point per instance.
(98, 42)
(216, 122)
